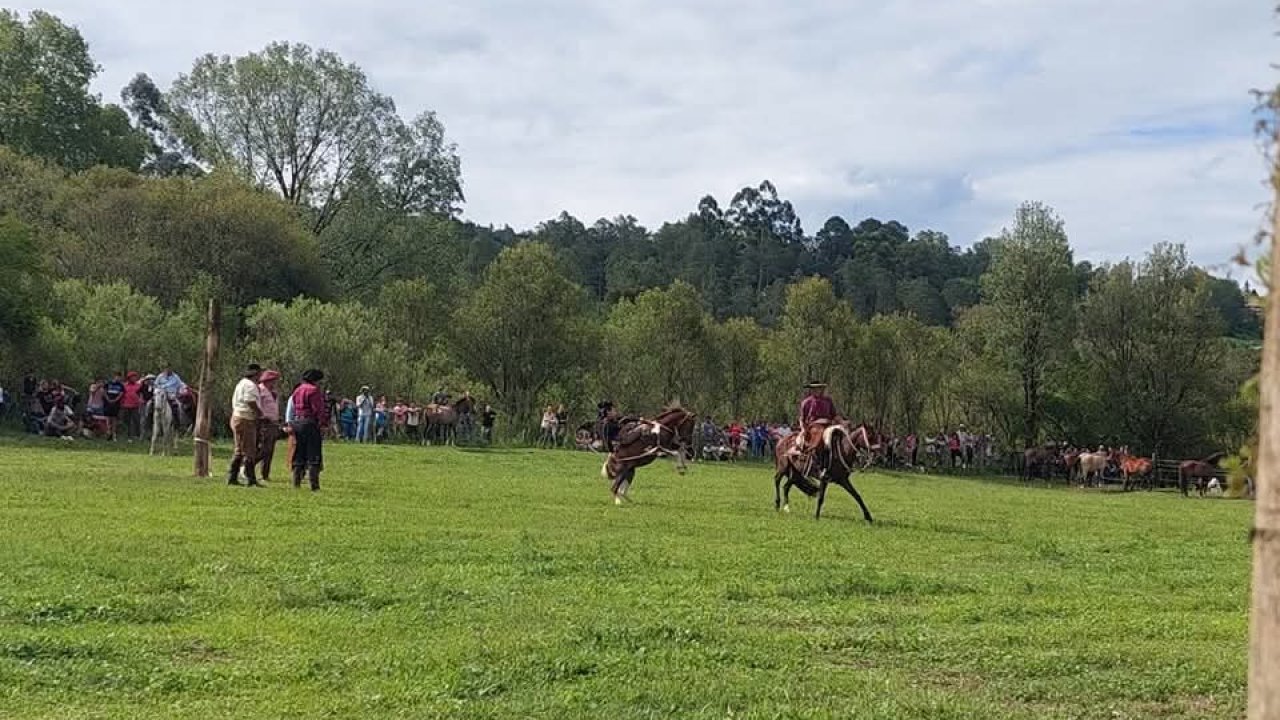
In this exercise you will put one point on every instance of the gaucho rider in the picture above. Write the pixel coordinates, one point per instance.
(817, 413)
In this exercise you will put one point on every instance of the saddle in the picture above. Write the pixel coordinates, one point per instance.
(632, 431)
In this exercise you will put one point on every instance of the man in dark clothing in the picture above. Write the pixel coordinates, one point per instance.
(310, 418)
(487, 418)
(114, 392)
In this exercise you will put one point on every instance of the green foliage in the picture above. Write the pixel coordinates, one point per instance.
(161, 234)
(309, 125)
(346, 340)
(658, 349)
(23, 282)
(737, 346)
(46, 109)
(522, 329)
(1150, 335)
(815, 339)
(437, 583)
(1031, 287)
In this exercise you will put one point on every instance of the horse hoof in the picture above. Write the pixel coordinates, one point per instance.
(786, 508)
(617, 500)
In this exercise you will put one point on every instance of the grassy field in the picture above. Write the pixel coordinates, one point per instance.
(444, 583)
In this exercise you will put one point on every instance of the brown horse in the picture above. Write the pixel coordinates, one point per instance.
(840, 451)
(442, 423)
(1039, 462)
(641, 441)
(1200, 471)
(1136, 470)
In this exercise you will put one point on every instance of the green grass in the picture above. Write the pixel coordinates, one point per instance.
(444, 583)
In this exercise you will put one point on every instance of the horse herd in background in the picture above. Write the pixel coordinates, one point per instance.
(1094, 468)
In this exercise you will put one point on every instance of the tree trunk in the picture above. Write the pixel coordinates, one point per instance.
(204, 404)
(1264, 630)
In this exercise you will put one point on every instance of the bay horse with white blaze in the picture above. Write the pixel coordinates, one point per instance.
(842, 448)
(640, 442)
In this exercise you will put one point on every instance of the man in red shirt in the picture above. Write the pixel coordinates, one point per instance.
(817, 413)
(310, 419)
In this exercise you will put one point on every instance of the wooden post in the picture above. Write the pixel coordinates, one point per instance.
(1264, 617)
(204, 404)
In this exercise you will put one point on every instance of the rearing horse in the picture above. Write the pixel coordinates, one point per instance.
(842, 447)
(640, 442)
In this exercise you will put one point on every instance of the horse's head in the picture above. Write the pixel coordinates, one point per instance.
(681, 422)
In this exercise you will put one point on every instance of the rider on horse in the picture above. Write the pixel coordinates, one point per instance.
(817, 413)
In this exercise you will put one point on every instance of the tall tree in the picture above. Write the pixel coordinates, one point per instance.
(46, 108)
(657, 348)
(814, 341)
(308, 124)
(167, 154)
(522, 329)
(1031, 287)
(1151, 336)
(737, 345)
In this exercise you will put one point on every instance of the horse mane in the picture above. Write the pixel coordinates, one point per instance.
(1214, 458)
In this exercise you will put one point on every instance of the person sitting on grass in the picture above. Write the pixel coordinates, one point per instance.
(59, 422)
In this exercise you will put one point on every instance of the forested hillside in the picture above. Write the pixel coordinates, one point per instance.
(330, 224)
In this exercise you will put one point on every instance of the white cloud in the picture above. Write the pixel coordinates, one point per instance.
(939, 114)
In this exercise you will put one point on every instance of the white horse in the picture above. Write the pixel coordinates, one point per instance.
(163, 433)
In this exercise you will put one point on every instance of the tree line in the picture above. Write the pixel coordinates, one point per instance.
(283, 182)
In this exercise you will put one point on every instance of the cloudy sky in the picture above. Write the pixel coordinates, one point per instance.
(1131, 117)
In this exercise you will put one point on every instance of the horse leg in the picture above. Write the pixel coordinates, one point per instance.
(777, 491)
(848, 485)
(786, 492)
(822, 497)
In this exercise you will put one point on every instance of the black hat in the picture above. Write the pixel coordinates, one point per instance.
(312, 376)
(252, 369)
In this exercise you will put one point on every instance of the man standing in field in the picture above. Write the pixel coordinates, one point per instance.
(244, 427)
(269, 422)
(310, 418)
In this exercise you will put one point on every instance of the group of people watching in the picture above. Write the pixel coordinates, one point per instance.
(111, 408)
(370, 418)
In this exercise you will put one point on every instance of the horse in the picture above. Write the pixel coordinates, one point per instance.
(1136, 470)
(1200, 471)
(1091, 466)
(442, 421)
(843, 448)
(164, 432)
(1039, 462)
(641, 441)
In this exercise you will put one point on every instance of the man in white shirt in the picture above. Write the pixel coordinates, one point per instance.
(244, 427)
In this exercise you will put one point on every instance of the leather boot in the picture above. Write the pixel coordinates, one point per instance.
(313, 474)
(233, 474)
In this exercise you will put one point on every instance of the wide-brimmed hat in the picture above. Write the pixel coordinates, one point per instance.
(132, 375)
(252, 369)
(312, 376)
(815, 384)
(268, 376)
